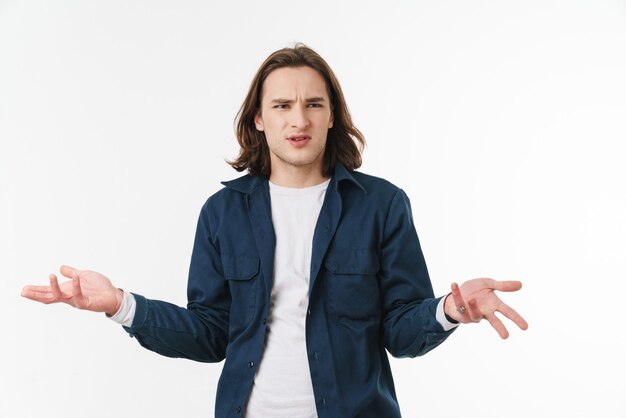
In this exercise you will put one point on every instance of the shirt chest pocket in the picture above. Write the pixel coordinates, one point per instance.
(241, 273)
(352, 288)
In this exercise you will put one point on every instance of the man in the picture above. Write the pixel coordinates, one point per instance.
(304, 272)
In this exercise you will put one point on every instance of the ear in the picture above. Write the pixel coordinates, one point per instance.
(258, 122)
(331, 120)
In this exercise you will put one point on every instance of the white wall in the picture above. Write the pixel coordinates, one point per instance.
(503, 121)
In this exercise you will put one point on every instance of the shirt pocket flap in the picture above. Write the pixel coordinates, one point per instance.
(239, 267)
(352, 261)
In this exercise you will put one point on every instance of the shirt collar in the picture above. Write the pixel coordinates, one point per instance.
(247, 184)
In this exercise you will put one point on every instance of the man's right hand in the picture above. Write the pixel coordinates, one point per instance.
(87, 290)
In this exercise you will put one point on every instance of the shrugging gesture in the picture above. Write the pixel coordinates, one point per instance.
(476, 300)
(86, 290)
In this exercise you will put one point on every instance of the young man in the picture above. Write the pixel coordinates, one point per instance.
(304, 272)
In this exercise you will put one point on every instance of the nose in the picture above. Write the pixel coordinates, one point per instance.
(299, 118)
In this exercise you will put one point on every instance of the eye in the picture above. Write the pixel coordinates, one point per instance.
(281, 106)
(315, 105)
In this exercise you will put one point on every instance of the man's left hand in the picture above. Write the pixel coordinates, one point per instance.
(476, 300)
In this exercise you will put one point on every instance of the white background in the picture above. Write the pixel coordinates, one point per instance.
(503, 121)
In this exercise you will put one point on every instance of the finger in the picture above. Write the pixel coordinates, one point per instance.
(67, 271)
(458, 298)
(498, 326)
(474, 311)
(54, 286)
(56, 289)
(38, 296)
(37, 288)
(512, 314)
(504, 285)
(77, 291)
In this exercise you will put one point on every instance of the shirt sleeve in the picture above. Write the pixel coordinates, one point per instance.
(411, 326)
(200, 331)
(441, 317)
(126, 313)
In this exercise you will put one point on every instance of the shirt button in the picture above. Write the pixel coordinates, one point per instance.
(250, 364)
(238, 409)
(309, 312)
(264, 321)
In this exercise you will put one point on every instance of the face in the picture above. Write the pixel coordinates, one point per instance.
(295, 116)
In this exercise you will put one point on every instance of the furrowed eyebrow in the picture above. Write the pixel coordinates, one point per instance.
(308, 100)
(280, 100)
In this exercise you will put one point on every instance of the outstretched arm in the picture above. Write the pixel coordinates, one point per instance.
(198, 333)
(476, 300)
(87, 290)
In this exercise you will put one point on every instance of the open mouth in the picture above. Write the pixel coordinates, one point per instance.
(298, 138)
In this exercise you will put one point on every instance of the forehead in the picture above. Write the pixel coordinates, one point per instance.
(293, 82)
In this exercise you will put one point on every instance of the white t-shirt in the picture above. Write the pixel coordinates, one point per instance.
(283, 380)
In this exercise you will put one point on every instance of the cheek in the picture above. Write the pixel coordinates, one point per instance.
(272, 134)
(327, 120)
(272, 125)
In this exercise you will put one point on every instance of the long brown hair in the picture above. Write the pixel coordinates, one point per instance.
(344, 142)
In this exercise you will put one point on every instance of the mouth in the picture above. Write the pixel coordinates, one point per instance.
(299, 140)
(298, 137)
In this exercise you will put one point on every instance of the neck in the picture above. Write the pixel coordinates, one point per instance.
(297, 177)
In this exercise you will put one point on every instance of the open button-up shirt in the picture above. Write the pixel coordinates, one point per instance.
(369, 293)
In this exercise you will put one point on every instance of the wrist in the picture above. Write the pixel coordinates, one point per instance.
(119, 299)
(448, 306)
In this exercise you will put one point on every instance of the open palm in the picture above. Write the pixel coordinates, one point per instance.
(476, 300)
(87, 290)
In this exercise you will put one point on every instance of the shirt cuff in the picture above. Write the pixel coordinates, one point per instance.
(125, 315)
(440, 315)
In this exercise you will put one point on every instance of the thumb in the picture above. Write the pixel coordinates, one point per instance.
(68, 271)
(507, 285)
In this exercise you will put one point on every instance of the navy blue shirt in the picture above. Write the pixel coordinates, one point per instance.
(369, 293)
